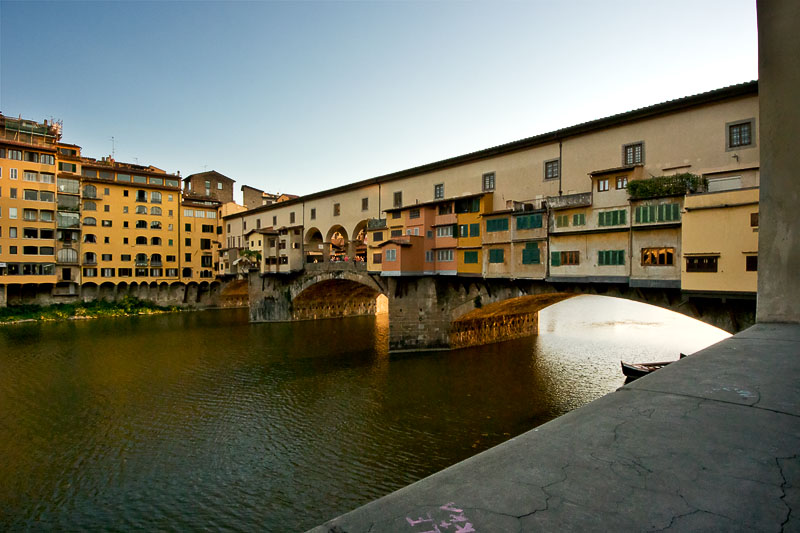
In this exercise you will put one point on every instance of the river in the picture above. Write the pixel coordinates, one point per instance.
(204, 421)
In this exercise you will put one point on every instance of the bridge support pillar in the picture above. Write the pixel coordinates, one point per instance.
(270, 299)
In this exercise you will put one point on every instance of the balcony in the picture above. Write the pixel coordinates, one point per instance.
(141, 263)
(569, 201)
(152, 264)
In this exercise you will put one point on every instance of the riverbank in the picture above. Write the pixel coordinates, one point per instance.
(127, 306)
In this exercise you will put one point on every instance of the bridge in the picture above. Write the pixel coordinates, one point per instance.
(444, 312)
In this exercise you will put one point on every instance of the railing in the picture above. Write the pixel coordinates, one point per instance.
(337, 266)
(376, 223)
(583, 199)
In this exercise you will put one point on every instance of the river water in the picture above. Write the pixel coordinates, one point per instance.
(204, 421)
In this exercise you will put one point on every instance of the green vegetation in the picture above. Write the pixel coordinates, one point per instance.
(675, 185)
(125, 307)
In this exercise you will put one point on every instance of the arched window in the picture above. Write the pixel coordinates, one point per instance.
(141, 196)
(155, 241)
(90, 191)
(67, 255)
(186, 273)
(155, 210)
(141, 259)
(155, 259)
(155, 224)
(89, 206)
(89, 237)
(155, 197)
(141, 240)
(89, 221)
(90, 258)
(141, 224)
(141, 209)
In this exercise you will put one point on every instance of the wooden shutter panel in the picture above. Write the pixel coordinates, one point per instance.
(555, 258)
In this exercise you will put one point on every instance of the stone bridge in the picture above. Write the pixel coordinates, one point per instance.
(444, 312)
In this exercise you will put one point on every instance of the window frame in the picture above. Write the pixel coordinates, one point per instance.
(751, 123)
(548, 165)
(488, 181)
(633, 146)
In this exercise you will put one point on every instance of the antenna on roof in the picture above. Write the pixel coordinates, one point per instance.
(113, 148)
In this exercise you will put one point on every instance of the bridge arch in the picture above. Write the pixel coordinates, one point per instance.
(337, 240)
(314, 245)
(359, 235)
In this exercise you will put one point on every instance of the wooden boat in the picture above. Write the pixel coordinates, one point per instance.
(637, 370)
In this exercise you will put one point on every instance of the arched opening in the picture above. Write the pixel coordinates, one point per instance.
(313, 246)
(337, 241)
(336, 298)
(360, 241)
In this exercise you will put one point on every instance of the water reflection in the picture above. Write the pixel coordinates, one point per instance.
(201, 420)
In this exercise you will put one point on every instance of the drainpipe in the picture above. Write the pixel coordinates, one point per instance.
(560, 168)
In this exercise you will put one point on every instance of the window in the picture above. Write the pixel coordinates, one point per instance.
(444, 255)
(30, 233)
(12, 173)
(740, 134)
(89, 206)
(125, 257)
(209, 228)
(622, 182)
(106, 257)
(89, 272)
(291, 217)
(47, 159)
(658, 213)
(751, 263)
(90, 258)
(155, 197)
(205, 244)
(753, 220)
(414, 213)
(12, 212)
(463, 230)
(444, 231)
(610, 257)
(470, 257)
(124, 223)
(187, 227)
(702, 263)
(31, 157)
(488, 181)
(107, 272)
(155, 224)
(187, 257)
(602, 185)
(496, 255)
(47, 250)
(529, 221)
(377, 259)
(633, 154)
(497, 224)
(531, 254)
(579, 219)
(313, 216)
(30, 194)
(445, 209)
(106, 208)
(397, 200)
(395, 214)
(171, 259)
(141, 240)
(391, 255)
(141, 224)
(68, 167)
(30, 214)
(15, 154)
(658, 256)
(106, 223)
(187, 241)
(155, 210)
(141, 196)
(274, 221)
(438, 191)
(12, 193)
(551, 169)
(562, 221)
(396, 233)
(564, 258)
(475, 230)
(611, 218)
(337, 210)
(364, 204)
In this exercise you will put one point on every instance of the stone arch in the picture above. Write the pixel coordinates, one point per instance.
(107, 291)
(359, 236)
(89, 291)
(337, 241)
(331, 296)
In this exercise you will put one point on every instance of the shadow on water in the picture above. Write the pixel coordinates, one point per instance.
(204, 421)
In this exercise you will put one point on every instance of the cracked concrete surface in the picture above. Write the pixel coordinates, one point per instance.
(708, 443)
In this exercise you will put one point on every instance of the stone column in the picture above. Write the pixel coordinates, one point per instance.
(779, 129)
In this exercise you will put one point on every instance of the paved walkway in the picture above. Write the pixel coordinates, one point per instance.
(711, 442)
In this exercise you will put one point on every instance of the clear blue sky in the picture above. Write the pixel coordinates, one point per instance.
(303, 96)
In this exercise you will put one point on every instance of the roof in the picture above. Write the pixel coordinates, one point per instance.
(614, 170)
(671, 106)
(208, 174)
(436, 202)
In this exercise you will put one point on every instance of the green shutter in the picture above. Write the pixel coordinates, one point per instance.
(622, 216)
(676, 212)
(601, 219)
(601, 258)
(620, 257)
(474, 230)
(537, 221)
(555, 258)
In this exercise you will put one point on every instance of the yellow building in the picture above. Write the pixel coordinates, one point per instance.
(27, 202)
(201, 236)
(720, 242)
(129, 223)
